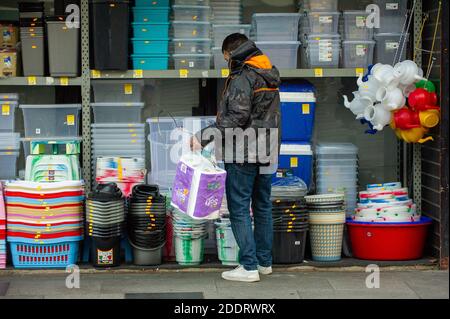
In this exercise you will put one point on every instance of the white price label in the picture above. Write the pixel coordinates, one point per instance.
(392, 6)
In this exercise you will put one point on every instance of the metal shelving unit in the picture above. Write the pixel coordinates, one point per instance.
(41, 81)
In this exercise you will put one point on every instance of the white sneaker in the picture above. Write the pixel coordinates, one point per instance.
(240, 274)
(265, 270)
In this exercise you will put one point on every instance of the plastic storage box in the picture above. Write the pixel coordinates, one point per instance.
(322, 51)
(9, 141)
(117, 90)
(152, 3)
(323, 22)
(387, 45)
(142, 14)
(51, 120)
(392, 15)
(282, 54)
(191, 29)
(295, 159)
(357, 53)
(8, 167)
(191, 46)
(336, 151)
(63, 48)
(355, 27)
(151, 30)
(150, 62)
(146, 47)
(298, 103)
(276, 26)
(319, 5)
(117, 112)
(192, 61)
(109, 34)
(191, 13)
(219, 60)
(191, 2)
(7, 115)
(221, 31)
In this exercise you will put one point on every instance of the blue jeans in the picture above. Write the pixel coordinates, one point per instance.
(245, 184)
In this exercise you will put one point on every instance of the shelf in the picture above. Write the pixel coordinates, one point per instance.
(202, 74)
(40, 81)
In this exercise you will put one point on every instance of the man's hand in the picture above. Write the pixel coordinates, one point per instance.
(195, 144)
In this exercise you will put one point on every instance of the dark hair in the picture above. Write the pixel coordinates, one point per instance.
(233, 41)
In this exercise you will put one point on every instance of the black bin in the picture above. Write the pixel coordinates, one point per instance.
(105, 252)
(289, 247)
(109, 27)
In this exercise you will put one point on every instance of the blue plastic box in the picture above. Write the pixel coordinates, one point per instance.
(144, 47)
(151, 14)
(298, 104)
(153, 3)
(295, 159)
(150, 62)
(155, 31)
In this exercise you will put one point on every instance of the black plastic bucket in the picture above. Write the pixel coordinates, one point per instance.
(105, 252)
(289, 247)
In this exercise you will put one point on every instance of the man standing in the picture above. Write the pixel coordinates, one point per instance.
(250, 103)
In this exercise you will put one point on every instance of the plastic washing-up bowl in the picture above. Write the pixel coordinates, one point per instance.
(388, 241)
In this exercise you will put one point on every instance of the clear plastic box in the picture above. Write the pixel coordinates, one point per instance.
(282, 54)
(336, 169)
(219, 60)
(117, 90)
(338, 176)
(336, 162)
(49, 120)
(319, 5)
(191, 46)
(322, 51)
(192, 61)
(191, 13)
(336, 148)
(8, 165)
(117, 112)
(355, 27)
(221, 31)
(191, 2)
(276, 26)
(191, 30)
(357, 53)
(392, 15)
(9, 141)
(387, 45)
(50, 146)
(9, 97)
(323, 22)
(7, 115)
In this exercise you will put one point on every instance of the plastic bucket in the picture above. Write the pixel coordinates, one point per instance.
(227, 247)
(189, 252)
(326, 234)
(105, 251)
(289, 247)
(147, 257)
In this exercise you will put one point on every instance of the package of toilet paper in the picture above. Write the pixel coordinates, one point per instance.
(199, 187)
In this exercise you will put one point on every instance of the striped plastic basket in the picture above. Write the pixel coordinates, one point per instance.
(326, 241)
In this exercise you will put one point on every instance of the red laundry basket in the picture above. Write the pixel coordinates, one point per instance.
(388, 241)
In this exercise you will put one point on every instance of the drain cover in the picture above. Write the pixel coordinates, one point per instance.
(165, 295)
(4, 288)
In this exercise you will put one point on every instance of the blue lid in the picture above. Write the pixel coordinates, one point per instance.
(297, 86)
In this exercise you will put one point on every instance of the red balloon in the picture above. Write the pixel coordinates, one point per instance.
(421, 100)
(406, 119)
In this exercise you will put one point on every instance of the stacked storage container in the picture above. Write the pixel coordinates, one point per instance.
(277, 36)
(191, 44)
(337, 171)
(117, 130)
(298, 104)
(9, 141)
(319, 34)
(151, 35)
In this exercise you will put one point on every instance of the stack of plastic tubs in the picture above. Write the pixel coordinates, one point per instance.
(337, 171)
(277, 37)
(321, 42)
(117, 130)
(191, 34)
(9, 141)
(358, 45)
(151, 35)
(220, 32)
(227, 11)
(32, 35)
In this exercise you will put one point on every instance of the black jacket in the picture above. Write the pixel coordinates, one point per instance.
(250, 100)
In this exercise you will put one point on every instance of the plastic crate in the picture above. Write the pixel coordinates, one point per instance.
(152, 3)
(355, 25)
(150, 30)
(58, 255)
(221, 31)
(145, 47)
(392, 15)
(219, 60)
(7, 115)
(322, 52)
(117, 112)
(150, 62)
(49, 120)
(295, 159)
(192, 61)
(276, 26)
(191, 30)
(117, 90)
(357, 53)
(8, 165)
(388, 45)
(323, 22)
(191, 46)
(141, 14)
(191, 13)
(282, 54)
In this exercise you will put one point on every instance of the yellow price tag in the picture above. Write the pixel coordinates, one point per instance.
(133, 141)
(70, 120)
(64, 81)
(128, 88)
(318, 73)
(225, 73)
(359, 72)
(305, 109)
(138, 74)
(184, 73)
(294, 162)
(96, 74)
(6, 109)
(32, 80)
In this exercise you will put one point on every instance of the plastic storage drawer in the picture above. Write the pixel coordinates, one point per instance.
(282, 54)
(150, 62)
(355, 25)
(221, 31)
(51, 120)
(8, 167)
(117, 90)
(387, 45)
(191, 13)
(7, 115)
(141, 14)
(190, 29)
(219, 60)
(320, 5)
(145, 47)
(152, 3)
(276, 26)
(323, 52)
(357, 53)
(295, 159)
(323, 22)
(153, 31)
(192, 46)
(192, 61)
(117, 112)
(392, 15)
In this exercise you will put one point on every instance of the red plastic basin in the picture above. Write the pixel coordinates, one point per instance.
(388, 241)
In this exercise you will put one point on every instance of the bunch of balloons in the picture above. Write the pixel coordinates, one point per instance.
(398, 96)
